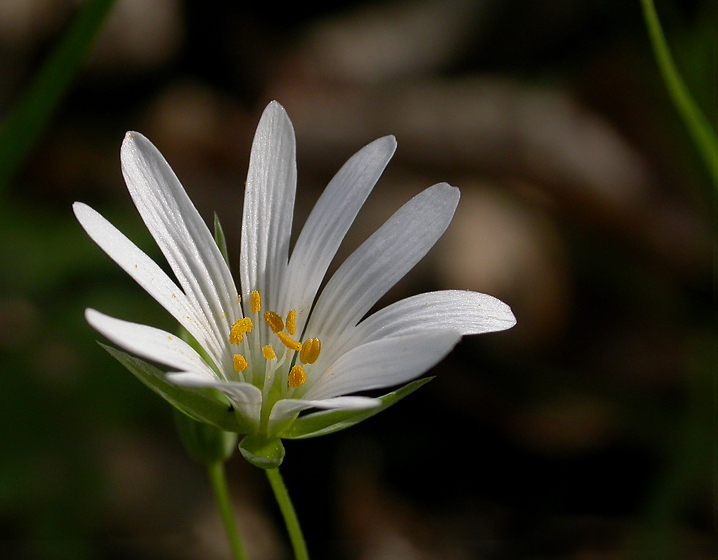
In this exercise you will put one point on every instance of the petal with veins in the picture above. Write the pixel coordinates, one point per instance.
(383, 363)
(382, 260)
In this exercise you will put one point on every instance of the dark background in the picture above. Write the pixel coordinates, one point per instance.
(583, 433)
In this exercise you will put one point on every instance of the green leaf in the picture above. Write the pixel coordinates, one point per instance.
(220, 238)
(262, 452)
(196, 403)
(330, 421)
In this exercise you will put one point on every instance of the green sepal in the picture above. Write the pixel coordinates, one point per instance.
(330, 421)
(262, 452)
(205, 443)
(196, 403)
(220, 238)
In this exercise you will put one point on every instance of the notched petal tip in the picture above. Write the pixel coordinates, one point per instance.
(388, 142)
(447, 190)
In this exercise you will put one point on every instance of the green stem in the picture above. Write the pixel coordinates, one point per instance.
(33, 110)
(221, 493)
(290, 515)
(698, 125)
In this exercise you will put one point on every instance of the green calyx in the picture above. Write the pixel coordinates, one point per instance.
(205, 443)
(207, 407)
(200, 404)
(262, 452)
(330, 421)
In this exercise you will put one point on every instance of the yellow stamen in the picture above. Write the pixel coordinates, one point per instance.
(239, 329)
(274, 321)
(240, 364)
(310, 350)
(268, 352)
(255, 302)
(292, 322)
(289, 342)
(297, 377)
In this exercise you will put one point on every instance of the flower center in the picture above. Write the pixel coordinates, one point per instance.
(308, 351)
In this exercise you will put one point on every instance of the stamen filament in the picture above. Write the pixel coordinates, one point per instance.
(289, 342)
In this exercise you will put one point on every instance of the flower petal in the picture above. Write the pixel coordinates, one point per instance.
(328, 223)
(468, 312)
(268, 206)
(245, 397)
(182, 236)
(148, 275)
(383, 363)
(151, 343)
(382, 260)
(284, 410)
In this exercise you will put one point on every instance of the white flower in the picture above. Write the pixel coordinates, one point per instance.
(274, 348)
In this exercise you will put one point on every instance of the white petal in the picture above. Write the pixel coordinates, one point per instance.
(283, 410)
(268, 206)
(328, 223)
(382, 260)
(182, 236)
(464, 311)
(150, 343)
(383, 363)
(245, 398)
(148, 275)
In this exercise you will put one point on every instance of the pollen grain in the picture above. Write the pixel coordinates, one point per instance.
(239, 329)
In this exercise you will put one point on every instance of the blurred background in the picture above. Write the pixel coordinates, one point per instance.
(584, 433)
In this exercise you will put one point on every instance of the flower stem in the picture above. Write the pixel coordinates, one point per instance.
(694, 119)
(32, 112)
(221, 493)
(290, 515)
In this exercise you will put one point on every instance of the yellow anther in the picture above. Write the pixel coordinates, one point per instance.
(268, 352)
(274, 321)
(255, 302)
(310, 350)
(289, 342)
(239, 329)
(297, 377)
(292, 322)
(240, 364)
